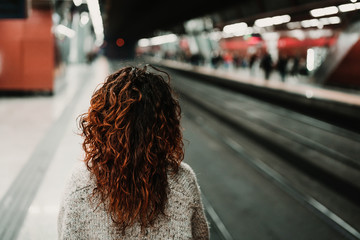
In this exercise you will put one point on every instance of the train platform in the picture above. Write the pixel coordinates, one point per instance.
(40, 145)
(299, 90)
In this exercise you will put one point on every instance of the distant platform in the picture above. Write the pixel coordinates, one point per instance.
(338, 102)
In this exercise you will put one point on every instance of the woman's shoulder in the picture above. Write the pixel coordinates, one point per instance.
(184, 180)
(79, 179)
(186, 171)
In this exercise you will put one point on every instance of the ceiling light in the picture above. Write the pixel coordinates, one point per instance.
(234, 28)
(163, 39)
(144, 42)
(95, 15)
(347, 7)
(280, 19)
(334, 20)
(319, 12)
(293, 25)
(263, 22)
(324, 21)
(270, 21)
(310, 23)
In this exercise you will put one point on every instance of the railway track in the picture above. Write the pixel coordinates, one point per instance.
(319, 151)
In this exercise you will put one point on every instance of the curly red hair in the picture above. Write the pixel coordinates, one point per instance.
(132, 138)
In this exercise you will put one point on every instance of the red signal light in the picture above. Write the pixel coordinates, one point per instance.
(120, 42)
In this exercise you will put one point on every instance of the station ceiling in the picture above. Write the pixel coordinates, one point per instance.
(132, 20)
(135, 19)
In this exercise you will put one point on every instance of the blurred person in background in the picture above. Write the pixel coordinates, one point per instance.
(132, 183)
(252, 61)
(197, 59)
(266, 64)
(281, 66)
(216, 59)
(237, 60)
(295, 65)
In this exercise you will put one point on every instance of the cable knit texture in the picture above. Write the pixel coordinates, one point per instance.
(185, 218)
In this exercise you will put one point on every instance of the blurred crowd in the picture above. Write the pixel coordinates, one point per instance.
(285, 65)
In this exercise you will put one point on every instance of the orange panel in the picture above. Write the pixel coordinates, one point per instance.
(27, 52)
(11, 29)
(39, 25)
(38, 64)
(11, 67)
(39, 81)
(10, 53)
(38, 56)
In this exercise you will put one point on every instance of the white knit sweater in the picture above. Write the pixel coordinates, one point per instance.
(78, 219)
